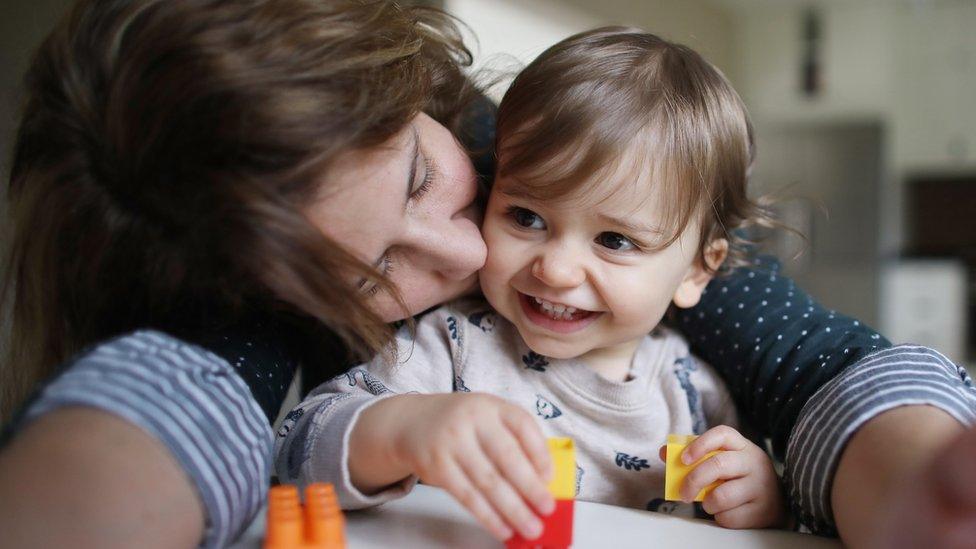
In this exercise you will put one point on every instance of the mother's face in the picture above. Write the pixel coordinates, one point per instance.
(407, 207)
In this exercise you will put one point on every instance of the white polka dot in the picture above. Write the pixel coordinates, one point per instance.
(804, 332)
(760, 319)
(745, 289)
(828, 328)
(740, 305)
(788, 303)
(719, 311)
(779, 336)
(786, 317)
(768, 290)
(764, 302)
(778, 360)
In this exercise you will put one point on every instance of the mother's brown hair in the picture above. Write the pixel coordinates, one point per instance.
(168, 148)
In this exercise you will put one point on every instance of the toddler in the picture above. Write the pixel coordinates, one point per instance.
(622, 168)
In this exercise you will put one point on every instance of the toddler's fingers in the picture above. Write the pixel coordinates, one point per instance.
(456, 482)
(510, 459)
(500, 494)
(530, 436)
(748, 515)
(721, 437)
(729, 495)
(721, 466)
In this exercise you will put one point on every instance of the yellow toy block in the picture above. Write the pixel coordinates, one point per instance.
(563, 483)
(675, 471)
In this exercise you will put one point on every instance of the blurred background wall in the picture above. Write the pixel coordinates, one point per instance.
(864, 111)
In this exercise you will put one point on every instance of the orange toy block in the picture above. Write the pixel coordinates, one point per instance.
(318, 524)
(557, 530)
(675, 471)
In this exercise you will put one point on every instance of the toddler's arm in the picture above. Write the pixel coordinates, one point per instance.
(371, 434)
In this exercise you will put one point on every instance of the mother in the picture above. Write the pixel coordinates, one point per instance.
(207, 194)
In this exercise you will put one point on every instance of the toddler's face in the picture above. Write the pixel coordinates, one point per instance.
(580, 276)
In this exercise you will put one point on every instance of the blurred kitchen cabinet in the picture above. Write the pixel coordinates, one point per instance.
(924, 301)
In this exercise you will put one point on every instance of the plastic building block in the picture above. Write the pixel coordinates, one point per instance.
(557, 530)
(675, 471)
(563, 453)
(318, 524)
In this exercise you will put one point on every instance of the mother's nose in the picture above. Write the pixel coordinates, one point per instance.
(454, 249)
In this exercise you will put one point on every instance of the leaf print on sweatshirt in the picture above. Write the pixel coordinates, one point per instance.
(459, 386)
(683, 367)
(631, 463)
(289, 421)
(484, 320)
(372, 384)
(535, 361)
(452, 327)
(660, 505)
(545, 408)
(579, 479)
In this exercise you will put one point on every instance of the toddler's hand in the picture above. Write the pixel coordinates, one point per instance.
(750, 497)
(488, 453)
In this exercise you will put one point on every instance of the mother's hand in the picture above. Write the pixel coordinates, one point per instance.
(875, 494)
(936, 507)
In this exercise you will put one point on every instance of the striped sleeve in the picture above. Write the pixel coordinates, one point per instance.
(194, 403)
(899, 376)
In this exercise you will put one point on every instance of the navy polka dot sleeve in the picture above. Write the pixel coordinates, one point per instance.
(773, 344)
(777, 348)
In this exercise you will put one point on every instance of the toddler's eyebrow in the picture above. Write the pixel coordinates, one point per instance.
(631, 226)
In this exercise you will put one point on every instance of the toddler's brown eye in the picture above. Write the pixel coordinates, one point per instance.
(615, 241)
(527, 218)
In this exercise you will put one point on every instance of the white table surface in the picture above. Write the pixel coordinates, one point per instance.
(430, 518)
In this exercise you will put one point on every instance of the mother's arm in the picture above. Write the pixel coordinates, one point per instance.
(143, 441)
(777, 348)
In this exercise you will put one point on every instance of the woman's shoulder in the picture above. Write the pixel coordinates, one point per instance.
(153, 346)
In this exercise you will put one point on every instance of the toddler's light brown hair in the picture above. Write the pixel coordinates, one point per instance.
(617, 100)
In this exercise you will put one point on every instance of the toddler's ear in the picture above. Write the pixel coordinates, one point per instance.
(690, 289)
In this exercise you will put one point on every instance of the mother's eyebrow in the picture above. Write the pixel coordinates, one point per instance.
(412, 177)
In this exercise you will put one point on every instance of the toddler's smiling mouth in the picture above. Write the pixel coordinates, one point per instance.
(556, 316)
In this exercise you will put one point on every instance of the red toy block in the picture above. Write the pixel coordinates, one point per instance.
(557, 530)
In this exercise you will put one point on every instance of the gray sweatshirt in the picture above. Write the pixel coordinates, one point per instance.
(465, 346)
